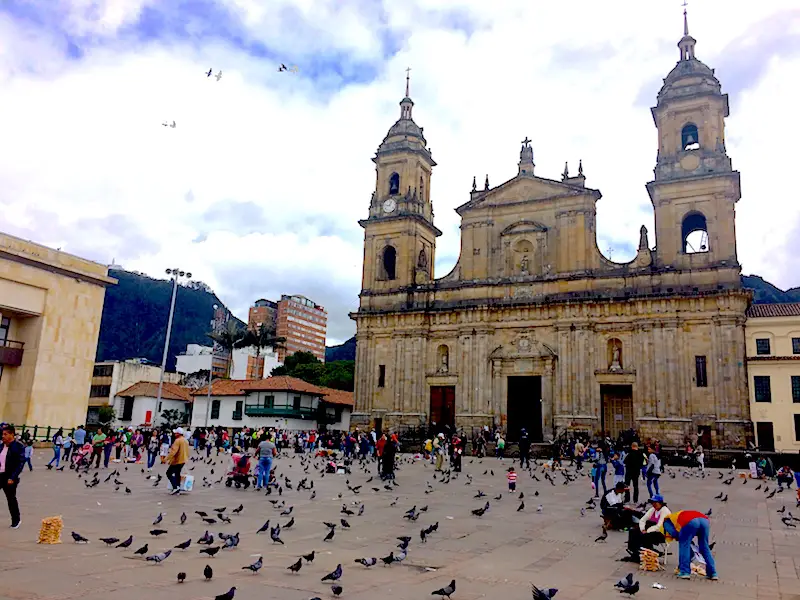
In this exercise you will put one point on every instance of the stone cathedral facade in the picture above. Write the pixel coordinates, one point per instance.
(534, 327)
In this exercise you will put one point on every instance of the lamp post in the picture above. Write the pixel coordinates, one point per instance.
(176, 274)
(210, 370)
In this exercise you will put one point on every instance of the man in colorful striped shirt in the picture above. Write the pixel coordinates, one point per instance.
(684, 526)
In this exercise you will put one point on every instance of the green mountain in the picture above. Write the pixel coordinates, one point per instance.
(346, 351)
(765, 293)
(135, 315)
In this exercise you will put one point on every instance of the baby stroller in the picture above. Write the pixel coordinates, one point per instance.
(240, 474)
(82, 457)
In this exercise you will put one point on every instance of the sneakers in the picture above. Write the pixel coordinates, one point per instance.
(684, 576)
(16, 525)
(176, 492)
(713, 577)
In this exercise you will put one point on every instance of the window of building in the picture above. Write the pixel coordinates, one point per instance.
(700, 373)
(262, 402)
(100, 391)
(103, 371)
(795, 388)
(795, 345)
(762, 346)
(237, 412)
(762, 388)
(215, 409)
(381, 375)
(127, 409)
(797, 428)
(159, 407)
(296, 403)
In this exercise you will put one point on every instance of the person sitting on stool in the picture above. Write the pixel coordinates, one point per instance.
(648, 533)
(612, 505)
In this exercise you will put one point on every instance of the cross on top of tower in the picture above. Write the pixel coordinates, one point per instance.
(526, 141)
(408, 77)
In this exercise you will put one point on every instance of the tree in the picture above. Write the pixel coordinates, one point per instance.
(172, 417)
(105, 414)
(228, 338)
(260, 338)
(338, 374)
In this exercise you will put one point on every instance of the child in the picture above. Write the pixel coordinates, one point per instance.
(512, 479)
(28, 455)
(619, 469)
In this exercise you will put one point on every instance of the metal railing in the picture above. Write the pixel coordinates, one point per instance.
(11, 353)
(279, 411)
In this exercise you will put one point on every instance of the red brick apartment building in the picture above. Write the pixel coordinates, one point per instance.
(303, 323)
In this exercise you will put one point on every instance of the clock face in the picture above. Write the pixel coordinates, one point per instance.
(389, 205)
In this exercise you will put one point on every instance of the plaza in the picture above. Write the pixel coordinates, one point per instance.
(496, 556)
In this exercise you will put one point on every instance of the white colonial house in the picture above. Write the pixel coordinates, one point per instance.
(138, 405)
(280, 402)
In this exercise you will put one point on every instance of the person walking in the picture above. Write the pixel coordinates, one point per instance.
(177, 457)
(29, 454)
(98, 441)
(266, 452)
(684, 526)
(58, 442)
(653, 472)
(67, 446)
(634, 460)
(12, 460)
(152, 449)
(600, 468)
(524, 449)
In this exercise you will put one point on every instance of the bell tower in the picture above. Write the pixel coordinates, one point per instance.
(695, 187)
(399, 234)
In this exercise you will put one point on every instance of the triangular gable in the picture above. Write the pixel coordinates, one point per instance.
(525, 188)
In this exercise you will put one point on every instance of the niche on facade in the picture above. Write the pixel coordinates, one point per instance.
(523, 254)
(694, 232)
(387, 264)
(614, 355)
(524, 246)
(443, 359)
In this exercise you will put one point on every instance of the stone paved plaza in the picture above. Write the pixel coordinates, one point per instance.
(496, 556)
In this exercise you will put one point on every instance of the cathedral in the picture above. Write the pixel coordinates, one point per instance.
(534, 328)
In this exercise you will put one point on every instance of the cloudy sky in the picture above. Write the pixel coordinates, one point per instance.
(258, 189)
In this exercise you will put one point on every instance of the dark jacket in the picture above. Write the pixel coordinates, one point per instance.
(634, 461)
(524, 445)
(15, 460)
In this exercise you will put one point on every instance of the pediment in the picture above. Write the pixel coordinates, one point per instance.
(524, 189)
(524, 346)
(524, 226)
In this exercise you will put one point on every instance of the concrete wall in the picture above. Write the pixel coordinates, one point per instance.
(141, 404)
(55, 302)
(780, 365)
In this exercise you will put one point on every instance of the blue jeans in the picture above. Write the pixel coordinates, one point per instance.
(151, 458)
(56, 456)
(264, 467)
(699, 528)
(600, 476)
(652, 482)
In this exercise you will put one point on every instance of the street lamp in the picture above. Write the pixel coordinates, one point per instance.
(175, 274)
(210, 369)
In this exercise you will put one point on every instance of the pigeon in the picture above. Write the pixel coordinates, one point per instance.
(210, 71)
(295, 567)
(345, 524)
(367, 562)
(159, 518)
(158, 532)
(184, 545)
(208, 572)
(126, 543)
(626, 581)
(602, 537)
(337, 590)
(256, 565)
(782, 510)
(479, 512)
(448, 590)
(227, 595)
(329, 537)
(309, 557)
(290, 523)
(220, 510)
(142, 550)
(109, 540)
(181, 577)
(275, 534)
(218, 75)
(264, 527)
(183, 518)
(631, 590)
(211, 551)
(333, 575)
(238, 510)
(521, 506)
(157, 558)
(543, 594)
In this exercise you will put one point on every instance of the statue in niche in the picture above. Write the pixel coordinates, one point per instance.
(444, 359)
(523, 265)
(422, 261)
(616, 355)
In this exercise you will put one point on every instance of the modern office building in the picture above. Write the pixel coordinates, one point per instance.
(303, 323)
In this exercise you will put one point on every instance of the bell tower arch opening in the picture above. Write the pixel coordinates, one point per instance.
(694, 233)
(389, 263)
(394, 184)
(690, 139)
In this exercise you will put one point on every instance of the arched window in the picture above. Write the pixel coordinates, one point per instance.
(394, 184)
(694, 233)
(443, 355)
(690, 139)
(421, 188)
(390, 262)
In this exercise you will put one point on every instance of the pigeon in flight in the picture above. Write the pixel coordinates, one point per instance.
(210, 71)
(218, 76)
(545, 594)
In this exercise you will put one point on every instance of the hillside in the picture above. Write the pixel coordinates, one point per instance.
(346, 351)
(135, 317)
(764, 292)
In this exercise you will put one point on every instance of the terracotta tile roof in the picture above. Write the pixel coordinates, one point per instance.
(339, 397)
(284, 383)
(225, 387)
(787, 309)
(169, 391)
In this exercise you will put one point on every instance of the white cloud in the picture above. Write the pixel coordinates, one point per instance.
(83, 141)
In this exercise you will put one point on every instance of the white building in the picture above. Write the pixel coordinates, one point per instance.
(138, 405)
(198, 358)
(109, 377)
(279, 402)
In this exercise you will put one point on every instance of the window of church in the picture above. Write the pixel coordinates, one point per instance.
(381, 375)
(701, 373)
(394, 184)
(389, 262)
(694, 231)
(690, 140)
